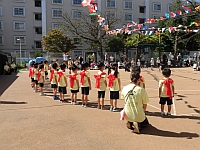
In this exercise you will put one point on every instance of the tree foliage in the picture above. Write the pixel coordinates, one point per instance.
(57, 41)
(88, 28)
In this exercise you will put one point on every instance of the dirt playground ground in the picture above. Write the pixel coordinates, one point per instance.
(31, 122)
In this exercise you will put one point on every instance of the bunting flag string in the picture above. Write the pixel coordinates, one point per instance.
(150, 31)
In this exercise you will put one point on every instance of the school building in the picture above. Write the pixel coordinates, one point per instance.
(24, 22)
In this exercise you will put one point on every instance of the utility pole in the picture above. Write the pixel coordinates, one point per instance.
(159, 41)
(137, 48)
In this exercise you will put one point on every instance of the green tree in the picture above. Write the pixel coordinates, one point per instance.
(89, 29)
(57, 41)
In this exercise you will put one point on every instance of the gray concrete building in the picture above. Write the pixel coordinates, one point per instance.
(26, 21)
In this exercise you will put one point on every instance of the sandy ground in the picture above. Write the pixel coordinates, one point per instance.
(29, 121)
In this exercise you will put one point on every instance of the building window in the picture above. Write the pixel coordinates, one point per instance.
(19, 26)
(38, 44)
(56, 25)
(19, 0)
(155, 16)
(1, 39)
(22, 40)
(57, 1)
(142, 9)
(128, 17)
(38, 16)
(110, 4)
(38, 30)
(38, 3)
(77, 41)
(76, 2)
(56, 13)
(157, 6)
(0, 10)
(76, 14)
(19, 11)
(128, 5)
(142, 20)
(1, 25)
(169, 7)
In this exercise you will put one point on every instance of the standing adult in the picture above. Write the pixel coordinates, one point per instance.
(136, 100)
(165, 59)
(171, 57)
(111, 58)
(80, 59)
(195, 57)
(179, 59)
(142, 59)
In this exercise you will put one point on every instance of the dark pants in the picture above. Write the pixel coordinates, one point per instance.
(141, 125)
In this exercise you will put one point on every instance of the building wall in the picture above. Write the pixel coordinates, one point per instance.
(47, 21)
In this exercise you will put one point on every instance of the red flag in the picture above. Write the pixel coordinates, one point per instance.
(173, 14)
(179, 12)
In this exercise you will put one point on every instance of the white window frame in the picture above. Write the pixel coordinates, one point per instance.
(128, 2)
(22, 22)
(76, 4)
(1, 22)
(17, 42)
(2, 43)
(78, 11)
(53, 2)
(54, 24)
(110, 2)
(168, 7)
(1, 10)
(19, 1)
(128, 14)
(157, 3)
(19, 8)
(58, 9)
(35, 45)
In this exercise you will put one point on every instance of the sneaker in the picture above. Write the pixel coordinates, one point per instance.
(61, 101)
(43, 94)
(111, 108)
(168, 114)
(72, 102)
(102, 108)
(162, 113)
(136, 128)
(114, 109)
(83, 105)
(129, 125)
(98, 107)
(56, 98)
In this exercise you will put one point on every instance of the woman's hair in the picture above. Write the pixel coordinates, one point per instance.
(41, 66)
(100, 64)
(115, 68)
(62, 66)
(54, 65)
(136, 69)
(74, 67)
(135, 76)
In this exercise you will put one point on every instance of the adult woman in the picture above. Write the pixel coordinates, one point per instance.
(136, 100)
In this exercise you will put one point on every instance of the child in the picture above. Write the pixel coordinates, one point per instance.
(169, 63)
(138, 63)
(54, 80)
(31, 75)
(195, 66)
(158, 63)
(41, 79)
(46, 68)
(62, 83)
(152, 63)
(74, 84)
(141, 81)
(50, 66)
(35, 76)
(166, 91)
(101, 84)
(114, 84)
(69, 64)
(85, 84)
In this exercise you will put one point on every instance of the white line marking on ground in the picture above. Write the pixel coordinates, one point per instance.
(188, 114)
(153, 106)
(174, 106)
